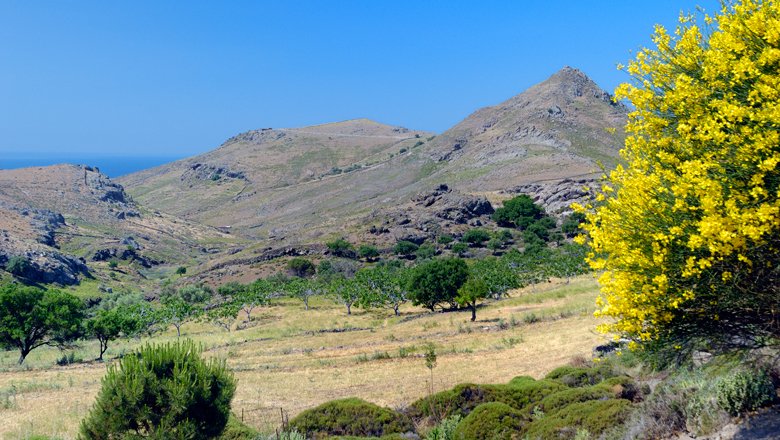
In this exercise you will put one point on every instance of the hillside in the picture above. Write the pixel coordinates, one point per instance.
(69, 220)
(292, 186)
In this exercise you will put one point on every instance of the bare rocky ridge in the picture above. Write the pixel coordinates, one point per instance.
(271, 189)
(59, 218)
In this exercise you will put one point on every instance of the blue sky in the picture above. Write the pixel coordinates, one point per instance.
(163, 78)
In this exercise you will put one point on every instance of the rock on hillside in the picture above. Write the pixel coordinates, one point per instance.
(560, 128)
(61, 216)
(557, 197)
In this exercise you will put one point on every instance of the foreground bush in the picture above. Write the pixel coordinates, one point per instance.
(162, 392)
(350, 417)
(594, 416)
(461, 400)
(745, 390)
(580, 376)
(495, 421)
(688, 237)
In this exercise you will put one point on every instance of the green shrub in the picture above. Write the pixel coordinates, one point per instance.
(476, 237)
(162, 391)
(460, 249)
(405, 248)
(444, 430)
(18, 266)
(493, 421)
(579, 376)
(595, 416)
(236, 430)
(745, 390)
(561, 399)
(350, 417)
(462, 399)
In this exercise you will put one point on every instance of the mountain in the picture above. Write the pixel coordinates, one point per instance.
(285, 191)
(292, 186)
(68, 220)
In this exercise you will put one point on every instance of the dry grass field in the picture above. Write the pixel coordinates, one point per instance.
(292, 359)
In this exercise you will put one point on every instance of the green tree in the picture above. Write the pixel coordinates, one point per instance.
(181, 270)
(688, 231)
(341, 248)
(162, 392)
(497, 276)
(519, 212)
(18, 266)
(368, 252)
(31, 317)
(473, 290)
(384, 286)
(301, 288)
(347, 291)
(184, 304)
(437, 281)
(460, 249)
(301, 267)
(571, 224)
(405, 248)
(107, 325)
(425, 252)
(476, 237)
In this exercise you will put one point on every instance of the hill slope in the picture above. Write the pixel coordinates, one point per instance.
(63, 218)
(295, 185)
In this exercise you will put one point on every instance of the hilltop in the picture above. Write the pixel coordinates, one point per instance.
(272, 192)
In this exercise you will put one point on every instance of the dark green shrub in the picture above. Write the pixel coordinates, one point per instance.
(462, 399)
(301, 268)
(341, 248)
(493, 421)
(519, 212)
(476, 237)
(425, 252)
(595, 416)
(350, 417)
(561, 399)
(580, 376)
(460, 249)
(445, 239)
(18, 266)
(368, 252)
(236, 430)
(405, 248)
(745, 390)
(162, 392)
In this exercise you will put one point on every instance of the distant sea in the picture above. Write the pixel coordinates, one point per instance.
(110, 166)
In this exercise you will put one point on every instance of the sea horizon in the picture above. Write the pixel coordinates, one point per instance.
(112, 166)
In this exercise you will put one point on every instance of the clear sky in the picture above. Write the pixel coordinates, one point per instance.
(176, 78)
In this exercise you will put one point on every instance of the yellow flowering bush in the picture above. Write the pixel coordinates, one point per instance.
(688, 232)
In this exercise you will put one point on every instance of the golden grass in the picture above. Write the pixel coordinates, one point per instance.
(293, 359)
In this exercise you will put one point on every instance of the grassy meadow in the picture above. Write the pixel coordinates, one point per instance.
(290, 359)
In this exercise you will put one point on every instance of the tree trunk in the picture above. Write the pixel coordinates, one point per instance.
(473, 311)
(178, 330)
(395, 309)
(349, 309)
(103, 348)
(23, 354)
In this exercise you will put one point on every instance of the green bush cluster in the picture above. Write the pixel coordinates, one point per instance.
(350, 417)
(494, 420)
(745, 390)
(595, 416)
(580, 376)
(463, 398)
(164, 392)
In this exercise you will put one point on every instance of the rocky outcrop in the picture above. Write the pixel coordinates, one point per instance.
(557, 197)
(202, 171)
(49, 266)
(451, 205)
